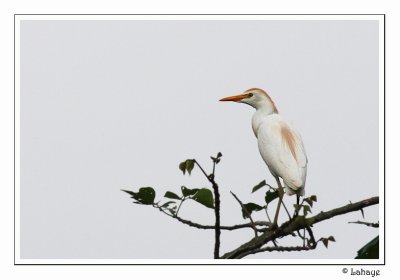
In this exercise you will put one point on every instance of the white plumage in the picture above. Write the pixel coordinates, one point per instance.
(280, 145)
(290, 165)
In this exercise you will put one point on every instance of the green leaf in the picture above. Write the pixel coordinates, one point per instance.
(271, 195)
(325, 241)
(306, 209)
(249, 208)
(182, 167)
(204, 196)
(171, 195)
(219, 155)
(369, 250)
(259, 186)
(129, 192)
(144, 195)
(309, 201)
(189, 165)
(297, 207)
(187, 192)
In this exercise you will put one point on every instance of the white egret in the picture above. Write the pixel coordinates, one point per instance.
(280, 145)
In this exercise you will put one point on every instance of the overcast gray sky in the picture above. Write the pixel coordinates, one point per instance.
(107, 105)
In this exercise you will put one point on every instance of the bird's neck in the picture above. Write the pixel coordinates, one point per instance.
(266, 108)
(260, 116)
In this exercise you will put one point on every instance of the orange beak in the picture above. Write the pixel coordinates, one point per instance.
(234, 98)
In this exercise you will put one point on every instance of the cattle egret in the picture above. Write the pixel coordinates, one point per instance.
(280, 145)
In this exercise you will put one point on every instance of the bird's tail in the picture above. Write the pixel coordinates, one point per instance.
(291, 191)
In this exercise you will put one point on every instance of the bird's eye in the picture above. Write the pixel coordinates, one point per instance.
(249, 95)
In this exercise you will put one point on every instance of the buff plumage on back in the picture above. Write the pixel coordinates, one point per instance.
(288, 139)
(275, 110)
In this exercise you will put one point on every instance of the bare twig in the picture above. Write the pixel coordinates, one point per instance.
(312, 238)
(266, 212)
(375, 225)
(247, 212)
(202, 170)
(263, 224)
(213, 171)
(179, 207)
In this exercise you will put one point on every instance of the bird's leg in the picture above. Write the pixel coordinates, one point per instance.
(296, 213)
(280, 193)
(287, 211)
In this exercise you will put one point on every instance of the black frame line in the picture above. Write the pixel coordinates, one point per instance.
(229, 264)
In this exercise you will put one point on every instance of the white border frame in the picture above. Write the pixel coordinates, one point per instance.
(381, 18)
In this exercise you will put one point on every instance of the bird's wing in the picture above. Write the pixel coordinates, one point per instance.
(301, 156)
(283, 151)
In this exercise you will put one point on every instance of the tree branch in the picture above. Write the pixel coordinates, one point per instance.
(311, 245)
(216, 208)
(234, 227)
(298, 223)
(279, 249)
(217, 220)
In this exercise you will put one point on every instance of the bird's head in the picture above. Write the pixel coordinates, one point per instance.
(254, 97)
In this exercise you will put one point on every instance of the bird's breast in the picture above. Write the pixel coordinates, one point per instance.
(260, 119)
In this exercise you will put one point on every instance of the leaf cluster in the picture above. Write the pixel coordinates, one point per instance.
(146, 196)
(187, 165)
(325, 240)
(204, 196)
